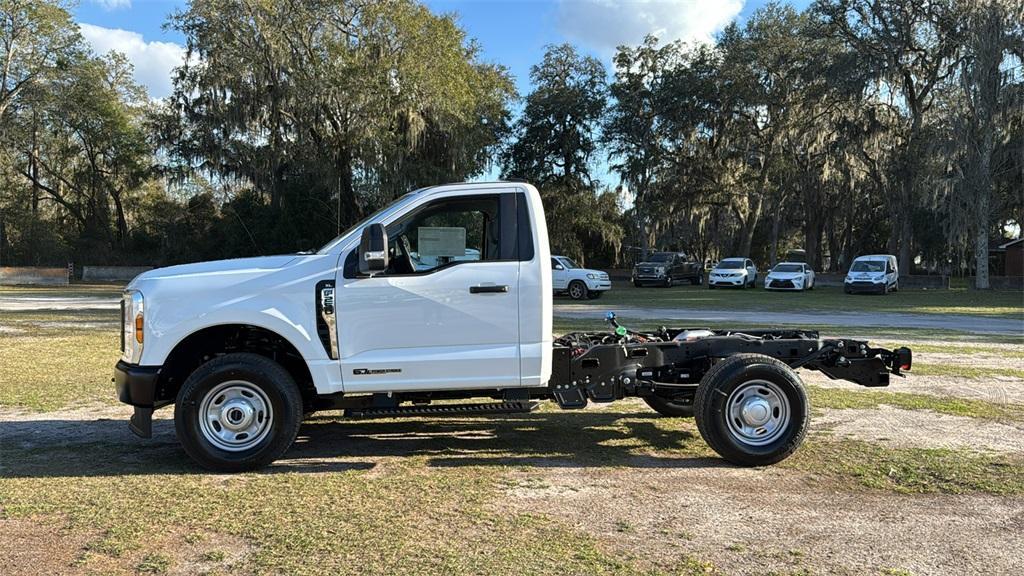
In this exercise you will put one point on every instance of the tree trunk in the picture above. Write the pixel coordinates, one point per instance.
(776, 225)
(747, 233)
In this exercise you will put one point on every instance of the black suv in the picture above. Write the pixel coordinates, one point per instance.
(667, 268)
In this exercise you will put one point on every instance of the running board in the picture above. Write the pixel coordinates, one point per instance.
(512, 407)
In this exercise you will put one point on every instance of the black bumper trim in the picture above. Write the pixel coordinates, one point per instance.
(136, 385)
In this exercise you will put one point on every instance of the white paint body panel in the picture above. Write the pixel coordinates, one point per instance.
(430, 326)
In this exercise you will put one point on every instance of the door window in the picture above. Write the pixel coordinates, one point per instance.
(445, 233)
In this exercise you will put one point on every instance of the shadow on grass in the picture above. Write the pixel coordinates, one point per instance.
(80, 448)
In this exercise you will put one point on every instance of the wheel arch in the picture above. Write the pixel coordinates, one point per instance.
(204, 344)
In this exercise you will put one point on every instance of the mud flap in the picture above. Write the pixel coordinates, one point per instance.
(141, 422)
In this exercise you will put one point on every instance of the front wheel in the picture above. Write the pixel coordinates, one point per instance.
(238, 412)
(752, 409)
(668, 281)
(577, 290)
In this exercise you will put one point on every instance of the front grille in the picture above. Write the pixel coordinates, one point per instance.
(646, 270)
(781, 284)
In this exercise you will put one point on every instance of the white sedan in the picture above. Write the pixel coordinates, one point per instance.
(790, 276)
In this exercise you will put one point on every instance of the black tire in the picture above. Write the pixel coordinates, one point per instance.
(637, 284)
(698, 280)
(594, 295)
(711, 286)
(712, 413)
(262, 375)
(668, 408)
(668, 281)
(578, 290)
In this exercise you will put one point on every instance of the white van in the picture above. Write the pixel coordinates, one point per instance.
(876, 273)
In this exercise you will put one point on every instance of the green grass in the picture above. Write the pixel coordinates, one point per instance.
(910, 470)
(47, 370)
(966, 371)
(990, 303)
(839, 398)
(419, 496)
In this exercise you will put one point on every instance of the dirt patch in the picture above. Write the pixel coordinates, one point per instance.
(41, 546)
(900, 428)
(774, 520)
(31, 547)
(998, 389)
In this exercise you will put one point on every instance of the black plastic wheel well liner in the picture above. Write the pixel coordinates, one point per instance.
(208, 343)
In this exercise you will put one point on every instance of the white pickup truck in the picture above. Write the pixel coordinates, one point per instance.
(244, 349)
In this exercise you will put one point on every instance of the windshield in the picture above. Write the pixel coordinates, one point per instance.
(660, 257)
(788, 268)
(568, 263)
(730, 264)
(868, 266)
(375, 217)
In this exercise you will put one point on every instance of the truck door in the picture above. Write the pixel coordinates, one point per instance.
(559, 275)
(445, 314)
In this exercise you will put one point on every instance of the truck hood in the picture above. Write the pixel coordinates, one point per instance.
(239, 267)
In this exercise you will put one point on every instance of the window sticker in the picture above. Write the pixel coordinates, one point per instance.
(439, 241)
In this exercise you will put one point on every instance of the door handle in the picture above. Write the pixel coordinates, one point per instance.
(487, 289)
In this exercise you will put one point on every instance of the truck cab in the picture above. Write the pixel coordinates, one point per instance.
(446, 294)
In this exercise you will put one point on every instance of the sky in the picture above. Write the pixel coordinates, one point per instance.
(511, 33)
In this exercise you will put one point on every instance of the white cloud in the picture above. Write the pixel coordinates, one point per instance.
(113, 4)
(605, 24)
(153, 61)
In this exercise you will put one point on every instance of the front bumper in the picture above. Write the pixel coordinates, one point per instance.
(598, 285)
(776, 284)
(860, 286)
(137, 385)
(731, 281)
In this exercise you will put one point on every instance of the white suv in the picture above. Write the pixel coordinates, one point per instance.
(733, 272)
(579, 283)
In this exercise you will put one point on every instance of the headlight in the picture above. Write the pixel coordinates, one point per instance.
(132, 326)
(592, 276)
(660, 270)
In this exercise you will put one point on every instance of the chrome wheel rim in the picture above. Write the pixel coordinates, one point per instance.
(758, 413)
(235, 415)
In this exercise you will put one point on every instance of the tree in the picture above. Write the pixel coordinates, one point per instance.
(343, 105)
(635, 130)
(37, 40)
(906, 49)
(989, 38)
(555, 139)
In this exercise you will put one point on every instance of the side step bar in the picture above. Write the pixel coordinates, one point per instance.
(509, 407)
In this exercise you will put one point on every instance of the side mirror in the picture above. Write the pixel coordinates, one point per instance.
(373, 250)
(559, 267)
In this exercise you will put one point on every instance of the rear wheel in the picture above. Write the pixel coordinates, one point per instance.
(698, 279)
(577, 290)
(752, 409)
(666, 407)
(238, 412)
